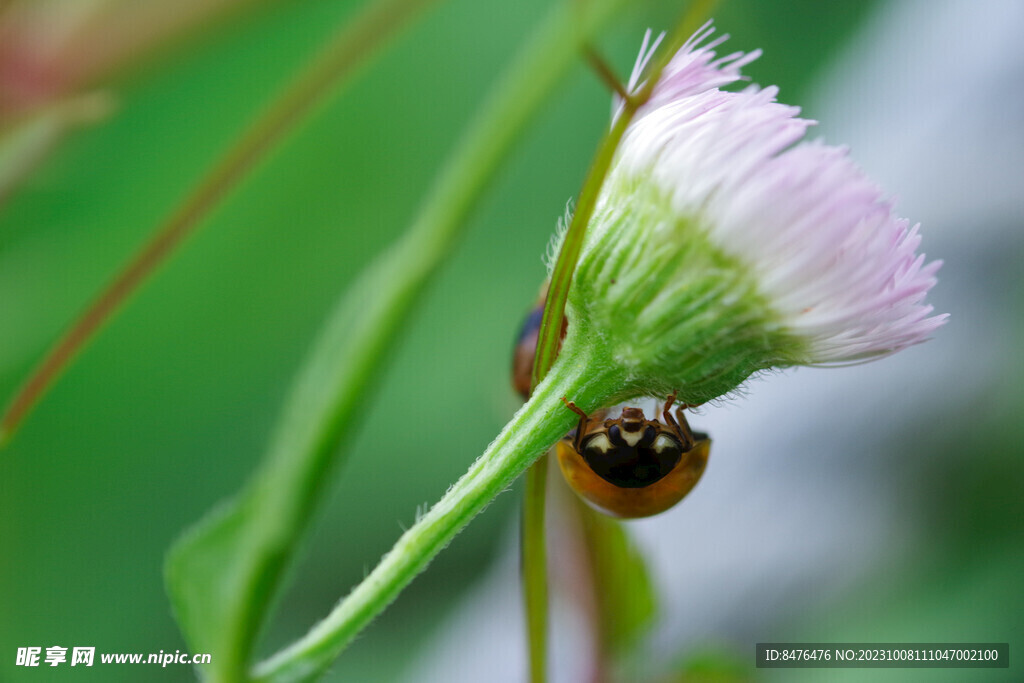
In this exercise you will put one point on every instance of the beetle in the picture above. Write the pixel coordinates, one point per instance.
(526, 344)
(630, 466)
(627, 466)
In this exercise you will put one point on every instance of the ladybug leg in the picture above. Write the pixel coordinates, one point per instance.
(668, 405)
(680, 427)
(581, 428)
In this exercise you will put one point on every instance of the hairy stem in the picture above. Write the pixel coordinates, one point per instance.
(538, 424)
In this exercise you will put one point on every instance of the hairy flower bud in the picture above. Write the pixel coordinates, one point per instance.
(722, 245)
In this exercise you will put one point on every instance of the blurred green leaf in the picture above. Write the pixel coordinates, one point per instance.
(623, 590)
(222, 575)
(798, 38)
(26, 144)
(712, 665)
(347, 49)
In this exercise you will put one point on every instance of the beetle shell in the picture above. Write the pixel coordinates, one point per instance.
(526, 349)
(629, 503)
(526, 345)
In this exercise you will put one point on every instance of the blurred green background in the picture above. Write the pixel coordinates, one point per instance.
(168, 410)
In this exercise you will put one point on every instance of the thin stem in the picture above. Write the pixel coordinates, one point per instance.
(561, 276)
(537, 425)
(605, 72)
(535, 577)
(534, 559)
(347, 49)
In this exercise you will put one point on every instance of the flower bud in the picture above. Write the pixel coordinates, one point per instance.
(721, 245)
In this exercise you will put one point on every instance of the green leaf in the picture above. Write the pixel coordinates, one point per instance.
(712, 665)
(623, 590)
(24, 146)
(348, 49)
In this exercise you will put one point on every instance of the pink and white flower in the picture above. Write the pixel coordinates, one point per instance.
(717, 209)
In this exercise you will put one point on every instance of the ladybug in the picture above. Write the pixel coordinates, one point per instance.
(526, 345)
(628, 466)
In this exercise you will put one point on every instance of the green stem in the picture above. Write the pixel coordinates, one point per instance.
(534, 563)
(549, 338)
(534, 559)
(538, 424)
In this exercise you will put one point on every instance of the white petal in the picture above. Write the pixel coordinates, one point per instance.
(823, 242)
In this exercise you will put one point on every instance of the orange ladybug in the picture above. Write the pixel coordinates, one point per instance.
(631, 466)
